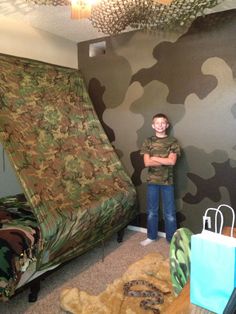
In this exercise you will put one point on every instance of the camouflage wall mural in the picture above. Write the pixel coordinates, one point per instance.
(191, 78)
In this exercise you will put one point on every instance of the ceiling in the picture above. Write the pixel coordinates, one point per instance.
(56, 19)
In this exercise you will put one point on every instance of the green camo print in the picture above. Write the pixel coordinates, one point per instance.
(160, 147)
(19, 239)
(73, 180)
(180, 258)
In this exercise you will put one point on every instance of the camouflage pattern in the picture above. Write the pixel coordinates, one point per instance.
(73, 180)
(160, 147)
(19, 240)
(191, 77)
(180, 247)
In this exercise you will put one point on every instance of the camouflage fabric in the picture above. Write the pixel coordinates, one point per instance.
(180, 258)
(161, 147)
(19, 240)
(73, 180)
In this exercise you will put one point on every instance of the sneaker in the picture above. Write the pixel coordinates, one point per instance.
(146, 242)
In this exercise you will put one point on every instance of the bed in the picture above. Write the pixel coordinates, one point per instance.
(76, 191)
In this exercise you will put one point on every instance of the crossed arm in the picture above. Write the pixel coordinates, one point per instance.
(159, 161)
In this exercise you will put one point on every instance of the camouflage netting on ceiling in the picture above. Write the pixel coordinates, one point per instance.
(73, 180)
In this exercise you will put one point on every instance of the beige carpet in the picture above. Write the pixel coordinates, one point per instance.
(91, 272)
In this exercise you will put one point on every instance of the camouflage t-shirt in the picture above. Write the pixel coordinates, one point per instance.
(160, 147)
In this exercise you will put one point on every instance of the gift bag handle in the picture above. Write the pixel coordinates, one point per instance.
(233, 217)
(217, 211)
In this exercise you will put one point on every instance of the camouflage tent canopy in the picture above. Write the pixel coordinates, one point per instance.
(75, 186)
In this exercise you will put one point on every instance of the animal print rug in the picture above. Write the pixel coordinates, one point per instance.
(145, 288)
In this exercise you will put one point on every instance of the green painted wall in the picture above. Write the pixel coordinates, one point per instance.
(191, 78)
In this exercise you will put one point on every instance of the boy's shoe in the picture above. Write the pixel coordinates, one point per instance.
(146, 242)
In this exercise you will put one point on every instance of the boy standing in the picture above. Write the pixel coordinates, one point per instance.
(160, 155)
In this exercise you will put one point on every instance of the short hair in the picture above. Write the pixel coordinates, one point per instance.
(160, 115)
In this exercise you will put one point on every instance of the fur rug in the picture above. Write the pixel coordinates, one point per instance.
(153, 268)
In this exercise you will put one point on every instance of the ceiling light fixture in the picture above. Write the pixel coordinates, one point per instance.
(80, 9)
(114, 16)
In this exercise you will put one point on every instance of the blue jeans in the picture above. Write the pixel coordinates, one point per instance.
(153, 199)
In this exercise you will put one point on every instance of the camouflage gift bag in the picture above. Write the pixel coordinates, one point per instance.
(180, 258)
(213, 271)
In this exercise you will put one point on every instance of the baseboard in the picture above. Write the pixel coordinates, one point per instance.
(138, 229)
(144, 230)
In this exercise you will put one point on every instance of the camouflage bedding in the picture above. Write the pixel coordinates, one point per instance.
(19, 240)
(74, 183)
